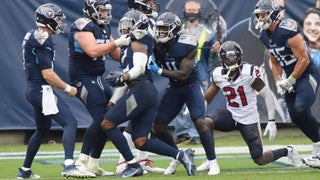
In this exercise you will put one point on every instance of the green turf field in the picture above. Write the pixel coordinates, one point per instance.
(233, 165)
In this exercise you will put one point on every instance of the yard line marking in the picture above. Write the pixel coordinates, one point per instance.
(115, 152)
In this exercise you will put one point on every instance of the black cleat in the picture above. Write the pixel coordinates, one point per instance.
(132, 170)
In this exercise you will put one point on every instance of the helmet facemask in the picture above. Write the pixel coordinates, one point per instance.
(100, 12)
(270, 10)
(168, 26)
(164, 33)
(230, 56)
(138, 27)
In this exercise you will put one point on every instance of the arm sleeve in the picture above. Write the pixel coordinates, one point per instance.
(270, 104)
(139, 65)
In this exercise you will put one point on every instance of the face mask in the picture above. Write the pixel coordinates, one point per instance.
(191, 16)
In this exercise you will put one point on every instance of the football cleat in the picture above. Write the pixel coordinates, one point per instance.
(171, 169)
(132, 170)
(121, 167)
(73, 171)
(294, 156)
(312, 161)
(147, 165)
(204, 166)
(98, 171)
(26, 174)
(187, 159)
(214, 168)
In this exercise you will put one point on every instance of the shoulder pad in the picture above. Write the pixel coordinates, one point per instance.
(81, 23)
(188, 39)
(41, 36)
(289, 24)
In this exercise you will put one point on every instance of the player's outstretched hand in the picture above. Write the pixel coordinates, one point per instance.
(272, 129)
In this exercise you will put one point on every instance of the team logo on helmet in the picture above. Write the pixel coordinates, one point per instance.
(275, 5)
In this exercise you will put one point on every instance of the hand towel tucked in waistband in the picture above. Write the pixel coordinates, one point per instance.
(49, 101)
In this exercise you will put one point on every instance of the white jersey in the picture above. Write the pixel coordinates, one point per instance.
(241, 98)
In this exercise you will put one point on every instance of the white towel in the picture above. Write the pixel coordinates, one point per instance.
(49, 101)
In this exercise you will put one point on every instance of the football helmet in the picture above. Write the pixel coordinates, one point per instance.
(98, 10)
(272, 10)
(134, 22)
(230, 55)
(168, 26)
(141, 5)
(50, 15)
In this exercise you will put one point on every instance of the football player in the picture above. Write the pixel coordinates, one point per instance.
(175, 53)
(89, 43)
(139, 102)
(289, 59)
(239, 83)
(149, 8)
(38, 61)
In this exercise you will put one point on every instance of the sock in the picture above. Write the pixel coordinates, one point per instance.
(25, 169)
(278, 153)
(132, 161)
(68, 162)
(207, 142)
(83, 158)
(93, 162)
(142, 155)
(159, 147)
(117, 138)
(316, 148)
(178, 155)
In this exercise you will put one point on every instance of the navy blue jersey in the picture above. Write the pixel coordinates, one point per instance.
(171, 58)
(126, 61)
(277, 43)
(38, 54)
(80, 63)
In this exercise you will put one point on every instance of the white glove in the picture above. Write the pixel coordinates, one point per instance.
(272, 129)
(280, 91)
(123, 40)
(287, 84)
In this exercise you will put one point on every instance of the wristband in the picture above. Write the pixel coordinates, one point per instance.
(292, 79)
(160, 71)
(67, 89)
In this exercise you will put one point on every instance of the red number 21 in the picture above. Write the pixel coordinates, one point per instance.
(233, 94)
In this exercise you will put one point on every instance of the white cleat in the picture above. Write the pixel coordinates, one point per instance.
(294, 156)
(204, 166)
(312, 161)
(214, 168)
(121, 167)
(82, 166)
(147, 165)
(98, 171)
(172, 167)
(73, 171)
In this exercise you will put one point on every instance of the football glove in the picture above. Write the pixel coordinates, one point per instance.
(271, 128)
(123, 40)
(115, 79)
(287, 84)
(154, 67)
(280, 91)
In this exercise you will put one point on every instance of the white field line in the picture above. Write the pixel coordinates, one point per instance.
(114, 152)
